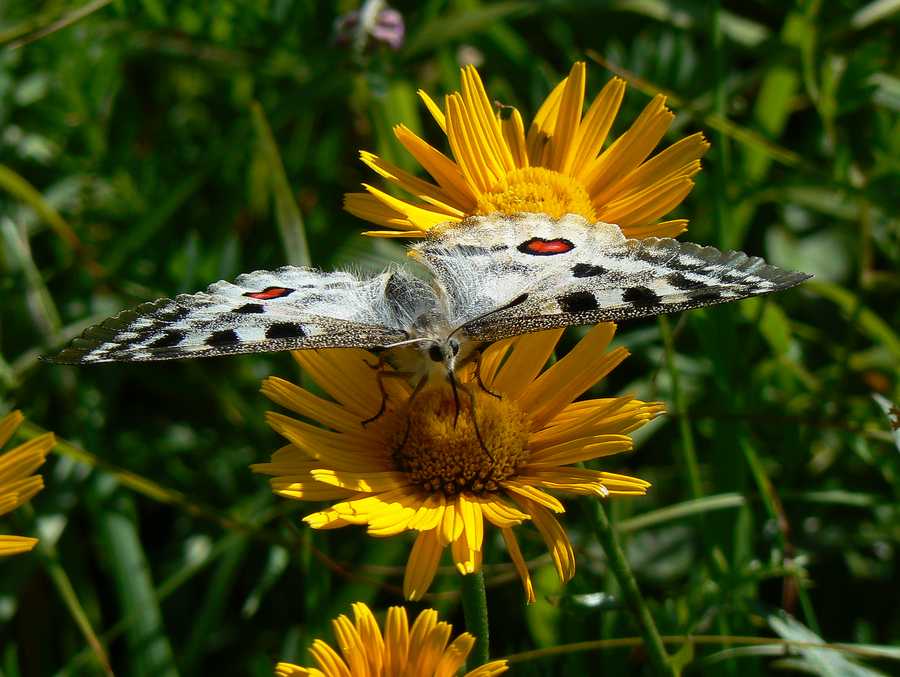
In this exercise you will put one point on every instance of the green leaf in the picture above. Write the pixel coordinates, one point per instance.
(287, 214)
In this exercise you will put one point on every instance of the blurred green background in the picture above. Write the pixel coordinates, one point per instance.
(135, 163)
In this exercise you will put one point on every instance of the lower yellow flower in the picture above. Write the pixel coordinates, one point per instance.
(427, 465)
(421, 650)
(17, 483)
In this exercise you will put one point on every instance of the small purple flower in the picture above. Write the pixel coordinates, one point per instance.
(375, 20)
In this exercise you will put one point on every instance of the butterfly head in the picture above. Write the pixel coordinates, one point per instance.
(444, 352)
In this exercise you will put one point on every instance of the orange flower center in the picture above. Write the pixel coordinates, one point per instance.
(441, 452)
(540, 190)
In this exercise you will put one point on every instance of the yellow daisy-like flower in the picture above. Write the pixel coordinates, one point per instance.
(558, 167)
(421, 467)
(421, 650)
(17, 483)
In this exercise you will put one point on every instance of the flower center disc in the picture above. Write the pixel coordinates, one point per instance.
(441, 456)
(537, 189)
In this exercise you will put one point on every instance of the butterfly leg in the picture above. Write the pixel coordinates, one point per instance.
(415, 392)
(468, 391)
(481, 382)
(380, 377)
(476, 356)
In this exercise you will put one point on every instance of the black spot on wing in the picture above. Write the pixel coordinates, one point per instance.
(640, 296)
(587, 270)
(224, 337)
(284, 330)
(476, 250)
(680, 281)
(173, 314)
(578, 302)
(706, 296)
(169, 339)
(250, 308)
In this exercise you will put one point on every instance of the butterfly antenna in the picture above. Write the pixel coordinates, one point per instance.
(512, 304)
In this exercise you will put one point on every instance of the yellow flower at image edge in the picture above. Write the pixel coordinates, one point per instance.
(17, 483)
(422, 650)
(560, 166)
(421, 468)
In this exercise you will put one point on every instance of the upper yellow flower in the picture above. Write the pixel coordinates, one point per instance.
(421, 650)
(17, 484)
(559, 167)
(419, 467)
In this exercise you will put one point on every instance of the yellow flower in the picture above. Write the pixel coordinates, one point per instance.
(17, 483)
(421, 468)
(421, 650)
(558, 167)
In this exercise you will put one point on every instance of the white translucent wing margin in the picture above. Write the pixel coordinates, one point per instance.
(638, 278)
(285, 309)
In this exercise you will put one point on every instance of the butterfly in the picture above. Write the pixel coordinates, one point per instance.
(487, 278)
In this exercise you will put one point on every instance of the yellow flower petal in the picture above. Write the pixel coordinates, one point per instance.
(15, 545)
(522, 490)
(501, 514)
(489, 669)
(662, 229)
(442, 169)
(514, 133)
(423, 190)
(362, 480)
(485, 119)
(431, 649)
(370, 634)
(578, 450)
(529, 355)
(593, 130)
(554, 537)
(423, 218)
(352, 648)
(562, 144)
(455, 656)
(434, 109)
(301, 401)
(9, 424)
(512, 546)
(422, 564)
(572, 375)
(396, 641)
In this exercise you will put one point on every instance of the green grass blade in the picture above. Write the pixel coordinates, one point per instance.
(287, 213)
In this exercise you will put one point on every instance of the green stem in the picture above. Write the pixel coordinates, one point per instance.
(474, 602)
(688, 448)
(606, 535)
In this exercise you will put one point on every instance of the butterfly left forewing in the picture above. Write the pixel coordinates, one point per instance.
(640, 278)
(505, 276)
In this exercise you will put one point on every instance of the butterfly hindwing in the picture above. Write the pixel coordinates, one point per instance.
(512, 275)
(289, 308)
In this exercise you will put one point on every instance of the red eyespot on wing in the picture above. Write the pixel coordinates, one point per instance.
(269, 293)
(538, 246)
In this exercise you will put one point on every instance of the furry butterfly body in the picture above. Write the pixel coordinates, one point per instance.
(490, 278)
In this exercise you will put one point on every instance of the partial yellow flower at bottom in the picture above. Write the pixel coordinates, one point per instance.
(560, 166)
(421, 650)
(425, 467)
(17, 483)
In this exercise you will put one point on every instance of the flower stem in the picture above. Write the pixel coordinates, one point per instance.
(630, 591)
(474, 602)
